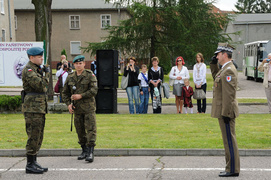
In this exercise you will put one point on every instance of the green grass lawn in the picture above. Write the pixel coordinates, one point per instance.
(142, 131)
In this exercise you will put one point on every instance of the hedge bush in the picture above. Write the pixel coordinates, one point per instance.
(10, 103)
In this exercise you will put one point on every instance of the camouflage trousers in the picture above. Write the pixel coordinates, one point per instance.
(85, 125)
(34, 126)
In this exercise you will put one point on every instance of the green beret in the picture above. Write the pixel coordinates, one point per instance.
(35, 51)
(78, 58)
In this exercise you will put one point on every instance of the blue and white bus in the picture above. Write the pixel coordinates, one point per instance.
(254, 53)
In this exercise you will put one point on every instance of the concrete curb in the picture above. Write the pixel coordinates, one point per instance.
(136, 152)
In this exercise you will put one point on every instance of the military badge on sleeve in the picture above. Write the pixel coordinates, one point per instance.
(228, 78)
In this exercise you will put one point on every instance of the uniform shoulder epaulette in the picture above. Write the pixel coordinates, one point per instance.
(27, 66)
(89, 71)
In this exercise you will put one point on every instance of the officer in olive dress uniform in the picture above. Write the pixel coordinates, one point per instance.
(79, 94)
(35, 83)
(225, 106)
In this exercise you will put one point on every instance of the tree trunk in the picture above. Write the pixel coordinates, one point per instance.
(43, 30)
(152, 47)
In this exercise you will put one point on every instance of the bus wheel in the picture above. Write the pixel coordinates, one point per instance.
(257, 79)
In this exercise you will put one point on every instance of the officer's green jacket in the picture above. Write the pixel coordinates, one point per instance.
(86, 85)
(35, 84)
(224, 91)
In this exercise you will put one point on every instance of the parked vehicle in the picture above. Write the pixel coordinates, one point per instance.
(254, 53)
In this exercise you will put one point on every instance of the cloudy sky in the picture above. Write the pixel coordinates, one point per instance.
(227, 5)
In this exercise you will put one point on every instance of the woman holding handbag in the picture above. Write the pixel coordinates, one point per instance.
(133, 87)
(199, 77)
(155, 78)
(179, 73)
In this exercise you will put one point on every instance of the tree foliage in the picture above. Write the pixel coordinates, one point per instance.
(167, 29)
(253, 6)
(63, 52)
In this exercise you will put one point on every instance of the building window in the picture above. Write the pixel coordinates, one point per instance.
(105, 20)
(74, 22)
(2, 6)
(15, 22)
(75, 47)
(3, 38)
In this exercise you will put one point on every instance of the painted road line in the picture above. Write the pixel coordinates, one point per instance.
(142, 169)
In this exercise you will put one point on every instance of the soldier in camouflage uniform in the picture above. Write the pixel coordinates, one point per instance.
(35, 82)
(79, 94)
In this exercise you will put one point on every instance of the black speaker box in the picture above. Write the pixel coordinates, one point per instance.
(107, 68)
(106, 101)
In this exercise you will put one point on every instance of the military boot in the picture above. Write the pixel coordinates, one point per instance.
(83, 155)
(38, 165)
(90, 154)
(31, 167)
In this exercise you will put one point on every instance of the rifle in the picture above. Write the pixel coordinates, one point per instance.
(71, 117)
(73, 89)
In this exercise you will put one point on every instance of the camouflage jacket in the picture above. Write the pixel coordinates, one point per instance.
(86, 85)
(35, 85)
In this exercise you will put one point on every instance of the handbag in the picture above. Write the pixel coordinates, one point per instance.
(165, 90)
(58, 83)
(199, 94)
(124, 81)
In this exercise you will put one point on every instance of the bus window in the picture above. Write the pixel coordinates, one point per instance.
(254, 50)
(263, 54)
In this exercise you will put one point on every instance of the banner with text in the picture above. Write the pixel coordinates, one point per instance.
(13, 58)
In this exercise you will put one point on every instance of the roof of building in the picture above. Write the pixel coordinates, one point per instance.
(66, 4)
(256, 18)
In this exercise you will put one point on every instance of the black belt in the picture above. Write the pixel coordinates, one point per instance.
(35, 93)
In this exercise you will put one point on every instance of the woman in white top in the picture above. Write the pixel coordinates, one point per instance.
(179, 73)
(63, 72)
(199, 77)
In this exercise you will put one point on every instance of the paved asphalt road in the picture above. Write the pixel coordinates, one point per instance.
(135, 168)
